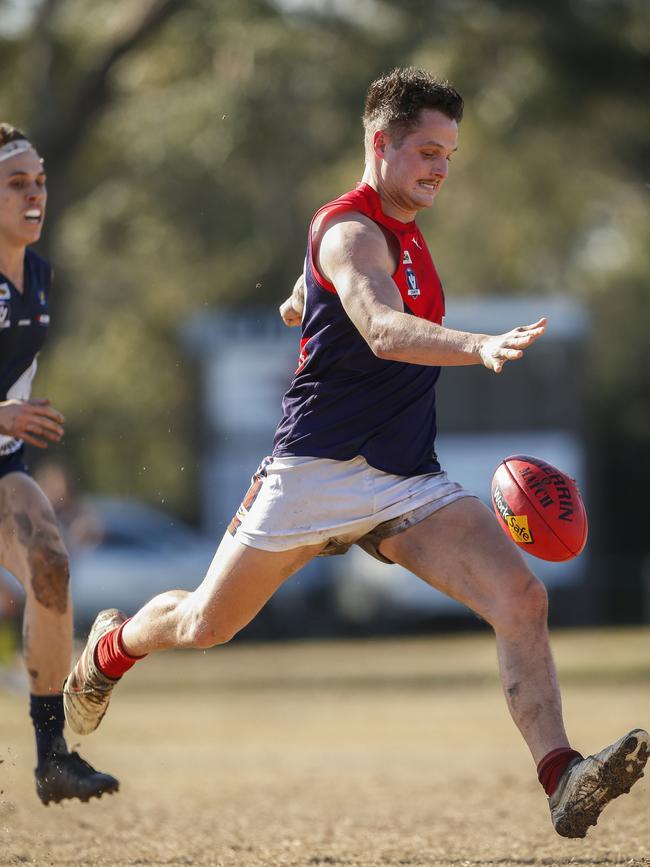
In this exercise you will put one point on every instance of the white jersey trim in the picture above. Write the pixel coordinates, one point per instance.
(20, 390)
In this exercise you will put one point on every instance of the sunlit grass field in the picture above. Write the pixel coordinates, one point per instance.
(391, 752)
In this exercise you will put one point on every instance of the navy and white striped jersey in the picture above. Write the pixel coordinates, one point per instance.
(24, 319)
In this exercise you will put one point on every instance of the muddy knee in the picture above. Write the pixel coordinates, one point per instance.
(50, 577)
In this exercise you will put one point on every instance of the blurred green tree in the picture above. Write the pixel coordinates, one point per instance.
(189, 141)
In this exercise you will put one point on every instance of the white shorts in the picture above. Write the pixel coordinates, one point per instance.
(297, 501)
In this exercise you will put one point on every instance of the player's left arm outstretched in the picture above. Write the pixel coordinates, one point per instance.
(492, 351)
(354, 255)
(495, 351)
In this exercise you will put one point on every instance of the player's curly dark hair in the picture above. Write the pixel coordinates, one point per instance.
(11, 133)
(394, 102)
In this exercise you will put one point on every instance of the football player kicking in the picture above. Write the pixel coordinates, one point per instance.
(30, 544)
(358, 428)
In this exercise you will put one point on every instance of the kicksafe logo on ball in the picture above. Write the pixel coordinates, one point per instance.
(517, 524)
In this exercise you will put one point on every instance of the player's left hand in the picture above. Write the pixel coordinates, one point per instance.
(34, 421)
(495, 351)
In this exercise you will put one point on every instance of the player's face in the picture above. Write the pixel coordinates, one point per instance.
(23, 195)
(413, 172)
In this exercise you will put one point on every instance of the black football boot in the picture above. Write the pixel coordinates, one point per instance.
(65, 774)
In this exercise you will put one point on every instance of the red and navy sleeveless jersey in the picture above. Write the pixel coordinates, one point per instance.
(24, 319)
(344, 401)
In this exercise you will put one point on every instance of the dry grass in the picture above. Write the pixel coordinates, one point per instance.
(371, 753)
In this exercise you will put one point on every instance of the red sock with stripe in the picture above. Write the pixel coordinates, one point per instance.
(553, 765)
(110, 656)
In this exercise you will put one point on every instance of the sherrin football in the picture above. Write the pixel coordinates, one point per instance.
(539, 507)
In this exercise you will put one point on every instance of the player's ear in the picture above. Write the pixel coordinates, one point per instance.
(379, 143)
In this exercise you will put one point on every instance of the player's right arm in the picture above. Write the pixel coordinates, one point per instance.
(34, 421)
(354, 255)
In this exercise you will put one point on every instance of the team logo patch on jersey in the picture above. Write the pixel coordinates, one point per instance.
(406, 258)
(5, 292)
(43, 319)
(412, 280)
(41, 297)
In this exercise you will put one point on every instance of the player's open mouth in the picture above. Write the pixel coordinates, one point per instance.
(430, 186)
(34, 215)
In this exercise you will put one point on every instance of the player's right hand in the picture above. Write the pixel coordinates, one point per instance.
(34, 421)
(495, 351)
(291, 310)
(290, 316)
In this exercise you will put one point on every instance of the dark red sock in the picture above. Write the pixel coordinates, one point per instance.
(553, 765)
(110, 656)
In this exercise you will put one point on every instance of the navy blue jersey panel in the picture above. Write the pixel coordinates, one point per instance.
(24, 319)
(344, 401)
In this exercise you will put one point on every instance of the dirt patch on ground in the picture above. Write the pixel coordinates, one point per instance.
(377, 754)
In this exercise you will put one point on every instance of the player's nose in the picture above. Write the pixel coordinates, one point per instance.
(36, 194)
(440, 168)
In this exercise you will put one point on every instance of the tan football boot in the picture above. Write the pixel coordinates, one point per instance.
(86, 691)
(588, 785)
